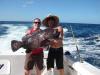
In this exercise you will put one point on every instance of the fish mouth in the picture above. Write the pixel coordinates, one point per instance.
(15, 45)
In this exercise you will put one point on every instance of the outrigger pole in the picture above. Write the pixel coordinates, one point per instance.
(80, 59)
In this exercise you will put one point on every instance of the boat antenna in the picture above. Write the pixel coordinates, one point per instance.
(80, 59)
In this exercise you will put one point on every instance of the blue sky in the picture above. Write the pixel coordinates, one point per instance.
(75, 11)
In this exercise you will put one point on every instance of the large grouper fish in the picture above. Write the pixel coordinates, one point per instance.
(35, 40)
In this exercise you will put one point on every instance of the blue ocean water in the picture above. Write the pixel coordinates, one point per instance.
(87, 38)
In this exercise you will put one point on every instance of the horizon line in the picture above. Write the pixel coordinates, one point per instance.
(5, 22)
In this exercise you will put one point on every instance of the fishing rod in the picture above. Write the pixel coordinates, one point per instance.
(81, 60)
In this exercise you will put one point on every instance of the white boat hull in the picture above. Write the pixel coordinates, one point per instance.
(71, 66)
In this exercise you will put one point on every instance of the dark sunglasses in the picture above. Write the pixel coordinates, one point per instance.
(37, 22)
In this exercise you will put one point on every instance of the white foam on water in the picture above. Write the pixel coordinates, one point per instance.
(14, 33)
(65, 29)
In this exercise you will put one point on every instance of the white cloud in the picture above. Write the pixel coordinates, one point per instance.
(28, 3)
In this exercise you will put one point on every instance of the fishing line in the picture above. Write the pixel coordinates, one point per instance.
(81, 60)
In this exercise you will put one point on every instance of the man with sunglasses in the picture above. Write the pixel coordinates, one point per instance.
(34, 57)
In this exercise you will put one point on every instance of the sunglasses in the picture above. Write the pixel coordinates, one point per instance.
(37, 22)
